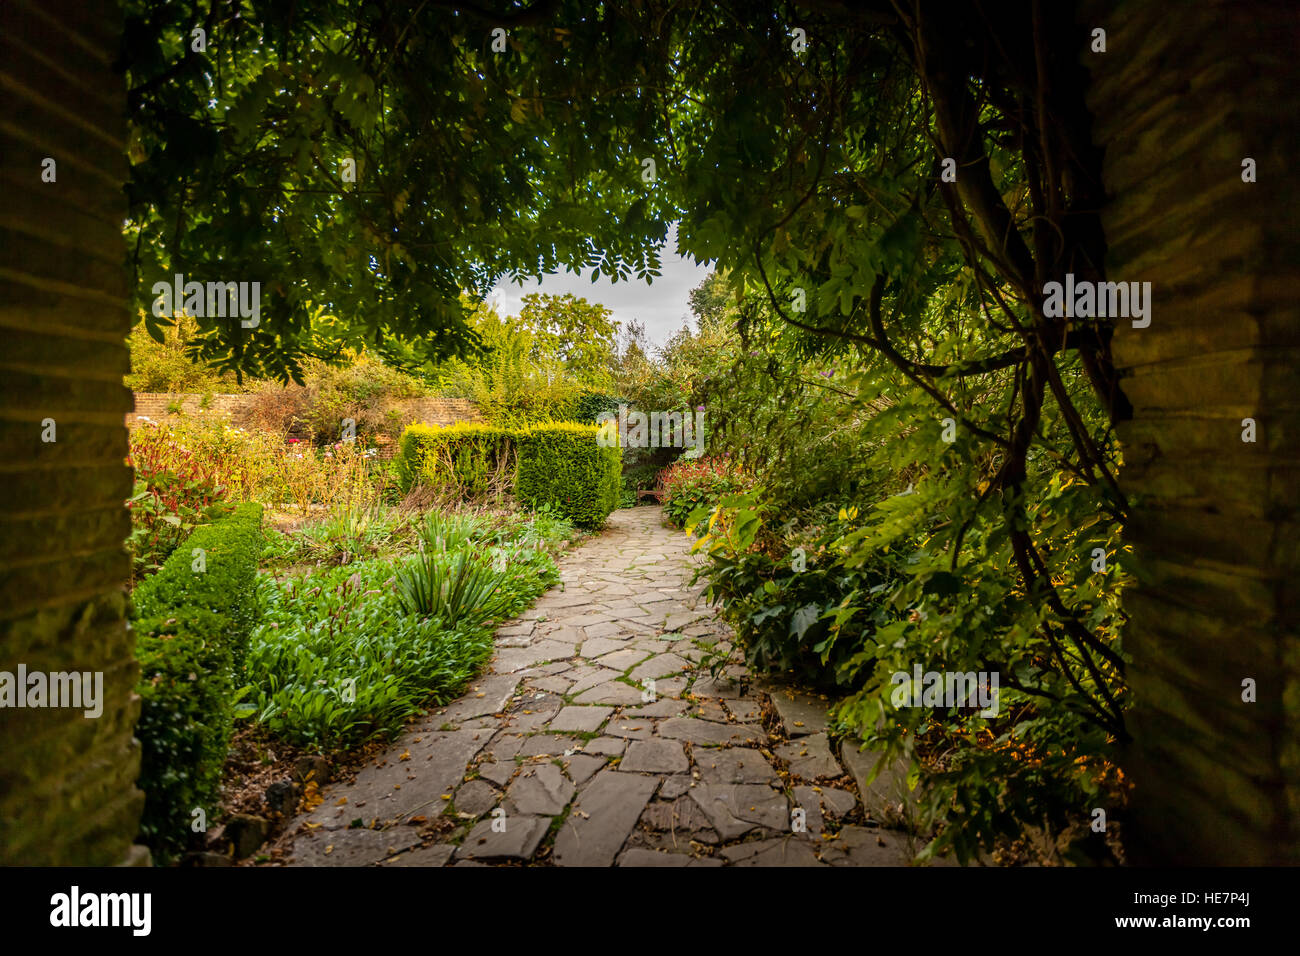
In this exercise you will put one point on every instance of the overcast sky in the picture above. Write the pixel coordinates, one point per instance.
(663, 307)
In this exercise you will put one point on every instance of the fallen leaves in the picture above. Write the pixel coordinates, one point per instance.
(311, 797)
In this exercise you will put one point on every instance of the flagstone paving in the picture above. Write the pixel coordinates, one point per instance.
(597, 738)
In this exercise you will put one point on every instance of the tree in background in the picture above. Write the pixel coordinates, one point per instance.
(712, 300)
(171, 365)
(676, 376)
(580, 333)
(517, 377)
(634, 356)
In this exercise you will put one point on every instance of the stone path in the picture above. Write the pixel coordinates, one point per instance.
(596, 740)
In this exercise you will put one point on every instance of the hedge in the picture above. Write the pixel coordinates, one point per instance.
(192, 628)
(561, 465)
(565, 467)
(469, 455)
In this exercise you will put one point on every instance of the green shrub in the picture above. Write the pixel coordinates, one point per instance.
(192, 630)
(782, 592)
(474, 459)
(565, 467)
(364, 390)
(350, 534)
(690, 484)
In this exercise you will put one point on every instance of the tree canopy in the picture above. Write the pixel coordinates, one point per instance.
(378, 161)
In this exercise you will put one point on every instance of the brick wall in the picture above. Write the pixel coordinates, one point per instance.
(156, 406)
(441, 411)
(67, 793)
(1180, 98)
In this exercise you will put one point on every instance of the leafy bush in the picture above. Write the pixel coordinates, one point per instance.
(364, 390)
(473, 460)
(691, 484)
(905, 583)
(174, 493)
(564, 466)
(590, 405)
(192, 621)
(781, 594)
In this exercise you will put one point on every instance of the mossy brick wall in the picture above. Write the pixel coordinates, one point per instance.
(67, 783)
(1182, 95)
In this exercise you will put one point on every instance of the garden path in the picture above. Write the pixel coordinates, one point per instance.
(600, 736)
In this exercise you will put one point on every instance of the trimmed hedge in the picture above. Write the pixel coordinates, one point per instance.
(565, 467)
(468, 454)
(561, 465)
(192, 630)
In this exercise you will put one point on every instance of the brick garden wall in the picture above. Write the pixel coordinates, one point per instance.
(67, 782)
(1181, 96)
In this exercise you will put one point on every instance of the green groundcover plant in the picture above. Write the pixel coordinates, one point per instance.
(348, 653)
